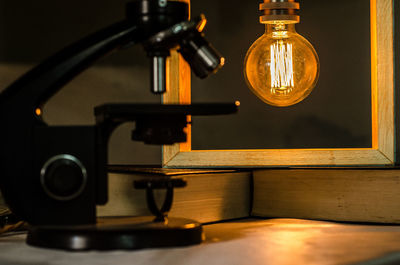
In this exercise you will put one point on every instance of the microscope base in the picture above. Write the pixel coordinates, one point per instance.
(118, 233)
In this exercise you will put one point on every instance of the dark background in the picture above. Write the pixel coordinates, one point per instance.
(336, 114)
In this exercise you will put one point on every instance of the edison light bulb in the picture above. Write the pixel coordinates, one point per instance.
(281, 67)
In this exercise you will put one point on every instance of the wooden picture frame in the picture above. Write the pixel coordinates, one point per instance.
(381, 153)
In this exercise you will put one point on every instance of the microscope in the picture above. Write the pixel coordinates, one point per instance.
(54, 176)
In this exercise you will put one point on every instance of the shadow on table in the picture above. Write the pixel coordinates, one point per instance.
(389, 259)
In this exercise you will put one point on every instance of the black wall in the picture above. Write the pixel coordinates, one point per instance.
(336, 114)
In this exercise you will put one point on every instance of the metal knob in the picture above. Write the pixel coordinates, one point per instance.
(63, 177)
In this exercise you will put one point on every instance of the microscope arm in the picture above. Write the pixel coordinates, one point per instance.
(24, 133)
(56, 175)
(20, 111)
(53, 177)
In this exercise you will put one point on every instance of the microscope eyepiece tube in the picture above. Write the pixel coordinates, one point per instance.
(158, 74)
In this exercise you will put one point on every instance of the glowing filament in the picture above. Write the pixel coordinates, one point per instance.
(281, 67)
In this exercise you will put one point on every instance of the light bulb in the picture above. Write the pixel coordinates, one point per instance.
(281, 67)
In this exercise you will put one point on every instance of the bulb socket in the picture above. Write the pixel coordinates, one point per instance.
(286, 11)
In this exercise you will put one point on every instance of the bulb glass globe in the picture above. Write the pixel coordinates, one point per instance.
(281, 67)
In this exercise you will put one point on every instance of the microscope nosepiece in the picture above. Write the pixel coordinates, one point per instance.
(197, 51)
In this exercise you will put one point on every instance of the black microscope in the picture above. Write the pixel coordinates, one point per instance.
(54, 176)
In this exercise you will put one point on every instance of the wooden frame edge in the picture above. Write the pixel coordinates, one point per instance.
(382, 26)
(279, 158)
(382, 107)
(178, 92)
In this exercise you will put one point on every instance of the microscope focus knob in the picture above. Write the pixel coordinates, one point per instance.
(63, 177)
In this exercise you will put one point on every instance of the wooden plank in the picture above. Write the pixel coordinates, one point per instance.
(178, 92)
(171, 97)
(278, 157)
(396, 33)
(382, 105)
(364, 195)
(385, 77)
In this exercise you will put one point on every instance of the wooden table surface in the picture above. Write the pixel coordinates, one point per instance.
(253, 241)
